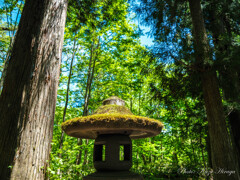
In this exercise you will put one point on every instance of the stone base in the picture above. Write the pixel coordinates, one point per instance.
(113, 175)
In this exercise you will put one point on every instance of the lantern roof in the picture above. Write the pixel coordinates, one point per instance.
(113, 117)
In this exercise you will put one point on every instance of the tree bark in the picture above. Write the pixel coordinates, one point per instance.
(229, 74)
(28, 98)
(221, 149)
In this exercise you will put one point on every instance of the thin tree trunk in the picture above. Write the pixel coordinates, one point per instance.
(131, 104)
(202, 151)
(144, 159)
(28, 99)
(193, 152)
(88, 87)
(79, 157)
(91, 69)
(85, 154)
(67, 95)
(139, 103)
(94, 63)
(150, 152)
(85, 161)
(161, 150)
(137, 155)
(66, 103)
(175, 160)
(222, 151)
(86, 97)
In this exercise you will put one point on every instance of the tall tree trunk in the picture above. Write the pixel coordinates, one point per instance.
(139, 103)
(202, 151)
(28, 99)
(229, 74)
(67, 95)
(89, 82)
(193, 152)
(85, 160)
(66, 102)
(79, 156)
(91, 69)
(137, 154)
(131, 104)
(222, 151)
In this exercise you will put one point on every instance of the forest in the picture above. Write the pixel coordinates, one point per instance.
(176, 61)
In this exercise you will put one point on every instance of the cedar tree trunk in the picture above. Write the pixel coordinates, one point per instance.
(229, 73)
(221, 148)
(28, 99)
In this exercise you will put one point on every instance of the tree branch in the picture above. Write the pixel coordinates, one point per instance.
(7, 29)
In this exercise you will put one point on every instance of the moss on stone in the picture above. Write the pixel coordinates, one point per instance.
(113, 109)
(113, 120)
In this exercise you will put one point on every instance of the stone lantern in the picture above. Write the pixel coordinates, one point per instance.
(112, 126)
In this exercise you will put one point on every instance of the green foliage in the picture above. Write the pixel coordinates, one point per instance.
(118, 57)
(160, 82)
(126, 69)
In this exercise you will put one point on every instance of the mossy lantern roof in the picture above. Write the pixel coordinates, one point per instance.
(112, 118)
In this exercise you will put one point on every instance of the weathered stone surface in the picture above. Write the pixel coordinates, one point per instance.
(112, 148)
(113, 109)
(112, 119)
(114, 100)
